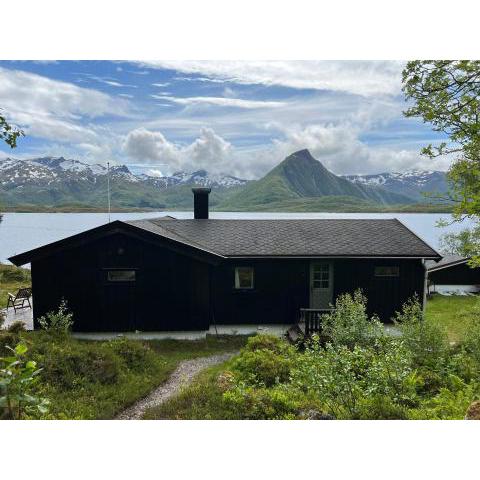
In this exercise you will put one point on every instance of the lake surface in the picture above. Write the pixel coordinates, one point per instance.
(20, 232)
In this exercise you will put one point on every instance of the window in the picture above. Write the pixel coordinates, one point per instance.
(121, 275)
(387, 271)
(321, 275)
(244, 277)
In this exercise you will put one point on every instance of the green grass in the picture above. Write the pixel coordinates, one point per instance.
(201, 400)
(454, 313)
(98, 379)
(11, 279)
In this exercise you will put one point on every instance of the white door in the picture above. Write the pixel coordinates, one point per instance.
(321, 284)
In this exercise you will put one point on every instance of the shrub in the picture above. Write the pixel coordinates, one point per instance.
(13, 274)
(471, 341)
(381, 407)
(59, 322)
(427, 341)
(17, 327)
(341, 378)
(262, 367)
(266, 342)
(133, 353)
(261, 403)
(349, 324)
(69, 364)
(17, 377)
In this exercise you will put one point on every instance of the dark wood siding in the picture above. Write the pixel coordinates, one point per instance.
(173, 291)
(282, 287)
(385, 294)
(457, 275)
(170, 292)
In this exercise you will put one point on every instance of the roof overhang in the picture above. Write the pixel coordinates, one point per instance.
(109, 229)
(448, 265)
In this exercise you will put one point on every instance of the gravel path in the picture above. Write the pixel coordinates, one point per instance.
(181, 377)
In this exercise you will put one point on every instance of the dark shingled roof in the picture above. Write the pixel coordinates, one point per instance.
(292, 238)
(445, 262)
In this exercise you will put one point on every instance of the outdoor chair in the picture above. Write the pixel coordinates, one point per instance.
(20, 300)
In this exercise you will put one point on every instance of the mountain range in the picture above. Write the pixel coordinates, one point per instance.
(298, 183)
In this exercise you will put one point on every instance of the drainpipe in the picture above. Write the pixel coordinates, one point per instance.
(425, 285)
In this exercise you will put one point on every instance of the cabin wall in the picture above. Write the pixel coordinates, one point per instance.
(282, 287)
(385, 295)
(457, 275)
(155, 301)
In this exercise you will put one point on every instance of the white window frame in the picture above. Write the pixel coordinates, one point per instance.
(237, 278)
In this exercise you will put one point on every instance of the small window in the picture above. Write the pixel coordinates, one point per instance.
(121, 275)
(244, 277)
(387, 271)
(321, 275)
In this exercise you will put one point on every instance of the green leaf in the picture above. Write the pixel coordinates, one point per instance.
(20, 349)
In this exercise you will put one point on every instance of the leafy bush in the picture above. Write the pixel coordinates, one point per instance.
(17, 327)
(59, 322)
(262, 367)
(427, 341)
(266, 342)
(17, 377)
(471, 341)
(341, 378)
(349, 324)
(381, 407)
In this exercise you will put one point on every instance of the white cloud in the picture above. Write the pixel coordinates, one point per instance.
(161, 85)
(220, 101)
(52, 109)
(151, 147)
(209, 151)
(365, 78)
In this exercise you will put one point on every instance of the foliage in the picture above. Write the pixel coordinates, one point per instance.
(427, 341)
(415, 376)
(17, 377)
(59, 322)
(97, 379)
(446, 94)
(341, 377)
(259, 365)
(8, 133)
(16, 327)
(349, 324)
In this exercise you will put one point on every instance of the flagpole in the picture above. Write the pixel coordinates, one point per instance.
(108, 189)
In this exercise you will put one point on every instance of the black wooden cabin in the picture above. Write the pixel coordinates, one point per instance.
(452, 274)
(179, 275)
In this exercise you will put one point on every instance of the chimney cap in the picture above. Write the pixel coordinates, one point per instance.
(201, 190)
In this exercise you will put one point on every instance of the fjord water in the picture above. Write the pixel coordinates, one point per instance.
(20, 232)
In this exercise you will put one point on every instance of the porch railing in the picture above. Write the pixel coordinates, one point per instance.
(311, 319)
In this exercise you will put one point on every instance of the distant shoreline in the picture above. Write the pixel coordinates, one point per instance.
(260, 208)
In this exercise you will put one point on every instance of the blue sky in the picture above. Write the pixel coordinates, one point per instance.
(240, 118)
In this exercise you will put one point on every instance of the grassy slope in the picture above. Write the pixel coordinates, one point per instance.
(455, 314)
(11, 279)
(92, 380)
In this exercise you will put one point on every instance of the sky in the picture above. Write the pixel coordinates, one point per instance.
(230, 117)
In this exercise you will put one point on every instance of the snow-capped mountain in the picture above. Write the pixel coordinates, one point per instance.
(413, 183)
(56, 180)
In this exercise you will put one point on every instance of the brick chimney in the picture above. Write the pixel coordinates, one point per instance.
(200, 202)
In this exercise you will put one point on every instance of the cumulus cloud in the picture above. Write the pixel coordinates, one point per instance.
(220, 101)
(365, 78)
(151, 147)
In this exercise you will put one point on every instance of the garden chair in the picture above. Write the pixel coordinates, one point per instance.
(20, 300)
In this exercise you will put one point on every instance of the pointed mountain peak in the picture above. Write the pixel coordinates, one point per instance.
(302, 154)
